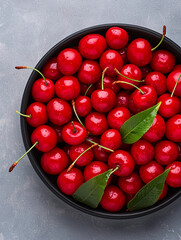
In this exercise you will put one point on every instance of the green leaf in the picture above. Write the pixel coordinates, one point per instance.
(136, 126)
(149, 194)
(90, 192)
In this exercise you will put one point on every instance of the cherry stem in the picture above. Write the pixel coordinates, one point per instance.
(102, 80)
(130, 84)
(15, 163)
(115, 169)
(73, 127)
(24, 115)
(163, 36)
(71, 166)
(108, 149)
(73, 105)
(87, 90)
(25, 67)
(134, 80)
(175, 86)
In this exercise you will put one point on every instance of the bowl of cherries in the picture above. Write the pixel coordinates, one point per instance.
(101, 120)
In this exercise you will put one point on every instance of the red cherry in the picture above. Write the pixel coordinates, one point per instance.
(111, 139)
(131, 184)
(69, 61)
(92, 46)
(163, 61)
(67, 88)
(139, 52)
(177, 67)
(103, 100)
(130, 71)
(96, 123)
(164, 192)
(117, 117)
(45, 137)
(150, 171)
(74, 133)
(145, 70)
(166, 152)
(42, 92)
(179, 149)
(158, 81)
(122, 159)
(58, 130)
(174, 175)
(122, 99)
(143, 101)
(156, 131)
(173, 128)
(123, 53)
(100, 154)
(69, 182)
(36, 114)
(50, 69)
(113, 199)
(116, 37)
(59, 111)
(170, 106)
(111, 59)
(83, 106)
(93, 169)
(108, 83)
(142, 152)
(85, 159)
(54, 161)
(171, 81)
(89, 72)
(84, 88)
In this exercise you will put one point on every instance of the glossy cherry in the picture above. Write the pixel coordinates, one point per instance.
(50, 69)
(111, 138)
(174, 175)
(54, 161)
(59, 111)
(117, 116)
(96, 123)
(93, 169)
(67, 88)
(170, 106)
(100, 154)
(122, 99)
(130, 71)
(130, 184)
(117, 37)
(83, 105)
(36, 114)
(156, 131)
(92, 46)
(142, 152)
(74, 133)
(166, 152)
(177, 67)
(163, 61)
(123, 160)
(75, 152)
(171, 81)
(108, 82)
(89, 72)
(173, 128)
(139, 52)
(69, 61)
(150, 170)
(69, 182)
(113, 199)
(164, 192)
(111, 59)
(158, 81)
(58, 130)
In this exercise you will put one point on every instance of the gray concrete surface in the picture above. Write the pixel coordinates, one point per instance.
(28, 210)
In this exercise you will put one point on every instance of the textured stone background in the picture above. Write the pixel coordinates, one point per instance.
(28, 210)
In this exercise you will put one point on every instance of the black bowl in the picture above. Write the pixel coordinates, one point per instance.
(34, 156)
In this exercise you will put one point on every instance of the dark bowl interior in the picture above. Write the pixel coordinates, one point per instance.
(34, 156)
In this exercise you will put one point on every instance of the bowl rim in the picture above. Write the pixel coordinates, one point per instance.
(27, 142)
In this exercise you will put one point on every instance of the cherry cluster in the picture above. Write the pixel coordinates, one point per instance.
(86, 94)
